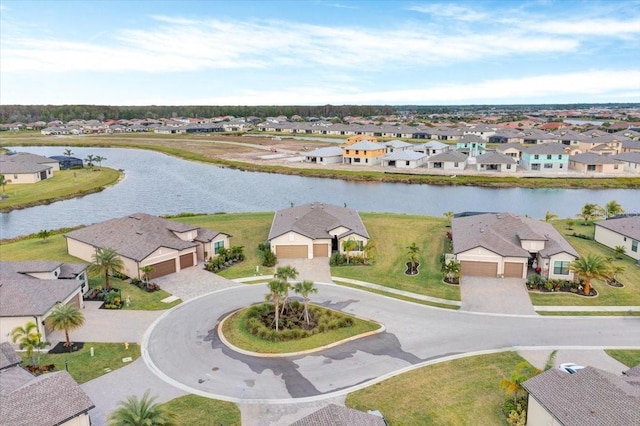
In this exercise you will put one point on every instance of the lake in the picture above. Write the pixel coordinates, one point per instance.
(159, 184)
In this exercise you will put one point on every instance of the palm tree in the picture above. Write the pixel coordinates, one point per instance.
(277, 289)
(550, 216)
(412, 252)
(305, 288)
(66, 317)
(143, 412)
(589, 268)
(99, 159)
(590, 211)
(369, 250)
(146, 272)
(106, 260)
(3, 183)
(449, 216)
(348, 246)
(44, 234)
(620, 251)
(513, 384)
(615, 270)
(286, 273)
(89, 160)
(67, 152)
(613, 208)
(29, 338)
(451, 269)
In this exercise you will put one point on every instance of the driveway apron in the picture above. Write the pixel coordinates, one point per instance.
(193, 282)
(495, 295)
(316, 270)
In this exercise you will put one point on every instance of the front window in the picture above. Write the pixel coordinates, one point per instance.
(634, 246)
(536, 156)
(561, 267)
(548, 157)
(217, 246)
(548, 165)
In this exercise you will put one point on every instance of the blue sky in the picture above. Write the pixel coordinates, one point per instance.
(318, 52)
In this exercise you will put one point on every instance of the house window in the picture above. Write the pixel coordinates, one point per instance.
(560, 157)
(535, 157)
(406, 163)
(561, 166)
(15, 176)
(508, 166)
(561, 267)
(548, 157)
(634, 246)
(548, 166)
(81, 277)
(591, 168)
(615, 167)
(455, 164)
(217, 246)
(357, 152)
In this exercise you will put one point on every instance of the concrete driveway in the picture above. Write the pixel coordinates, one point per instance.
(316, 270)
(495, 295)
(193, 282)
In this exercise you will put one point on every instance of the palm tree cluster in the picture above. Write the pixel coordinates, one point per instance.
(279, 293)
(591, 211)
(29, 339)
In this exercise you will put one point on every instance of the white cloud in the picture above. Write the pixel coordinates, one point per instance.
(588, 27)
(447, 10)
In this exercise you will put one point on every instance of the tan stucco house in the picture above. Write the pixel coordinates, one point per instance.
(315, 230)
(31, 290)
(504, 245)
(588, 397)
(146, 240)
(594, 163)
(22, 167)
(620, 231)
(46, 400)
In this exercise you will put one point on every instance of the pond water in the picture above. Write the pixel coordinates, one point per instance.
(159, 184)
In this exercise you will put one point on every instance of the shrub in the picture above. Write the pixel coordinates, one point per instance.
(337, 259)
(269, 258)
(583, 236)
(119, 275)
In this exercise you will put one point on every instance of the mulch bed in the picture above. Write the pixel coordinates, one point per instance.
(615, 283)
(60, 348)
(412, 268)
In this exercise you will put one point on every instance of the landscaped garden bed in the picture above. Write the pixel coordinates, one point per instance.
(538, 283)
(111, 297)
(224, 259)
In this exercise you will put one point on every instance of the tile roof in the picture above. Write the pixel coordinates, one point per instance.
(590, 397)
(335, 415)
(8, 356)
(448, 157)
(628, 226)
(135, 236)
(591, 158)
(501, 233)
(495, 158)
(45, 400)
(315, 220)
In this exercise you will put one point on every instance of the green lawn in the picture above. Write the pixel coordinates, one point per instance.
(84, 367)
(234, 331)
(62, 185)
(607, 295)
(393, 234)
(140, 299)
(630, 358)
(200, 411)
(459, 392)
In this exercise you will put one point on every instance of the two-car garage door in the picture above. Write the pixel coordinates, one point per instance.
(300, 251)
(490, 269)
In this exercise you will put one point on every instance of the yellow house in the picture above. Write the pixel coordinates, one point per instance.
(363, 152)
(23, 167)
(357, 138)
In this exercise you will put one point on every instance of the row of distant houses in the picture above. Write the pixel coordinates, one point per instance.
(471, 152)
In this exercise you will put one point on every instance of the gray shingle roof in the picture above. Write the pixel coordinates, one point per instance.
(448, 156)
(546, 148)
(32, 296)
(501, 233)
(8, 356)
(365, 146)
(407, 155)
(135, 236)
(590, 397)
(315, 220)
(627, 226)
(514, 145)
(495, 158)
(591, 158)
(46, 400)
(329, 151)
(629, 157)
(335, 415)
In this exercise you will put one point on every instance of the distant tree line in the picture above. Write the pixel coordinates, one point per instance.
(47, 113)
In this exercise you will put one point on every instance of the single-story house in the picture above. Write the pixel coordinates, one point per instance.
(327, 155)
(31, 290)
(432, 148)
(497, 162)
(397, 145)
(145, 240)
(22, 167)
(588, 397)
(620, 231)
(335, 415)
(49, 399)
(448, 160)
(316, 230)
(407, 159)
(504, 245)
(630, 160)
(594, 163)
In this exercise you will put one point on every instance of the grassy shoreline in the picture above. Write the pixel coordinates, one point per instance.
(172, 146)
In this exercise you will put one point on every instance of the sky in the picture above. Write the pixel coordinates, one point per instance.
(316, 52)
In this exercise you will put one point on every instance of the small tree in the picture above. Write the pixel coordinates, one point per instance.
(44, 234)
(613, 208)
(99, 159)
(66, 317)
(349, 246)
(146, 272)
(589, 268)
(570, 224)
(277, 289)
(141, 412)
(590, 211)
(90, 160)
(412, 253)
(67, 152)
(449, 215)
(451, 270)
(548, 216)
(305, 288)
(513, 384)
(28, 338)
(3, 183)
(106, 260)
(369, 250)
(286, 273)
(620, 251)
(615, 270)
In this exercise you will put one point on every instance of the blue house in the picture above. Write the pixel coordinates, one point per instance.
(546, 157)
(67, 162)
(471, 145)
